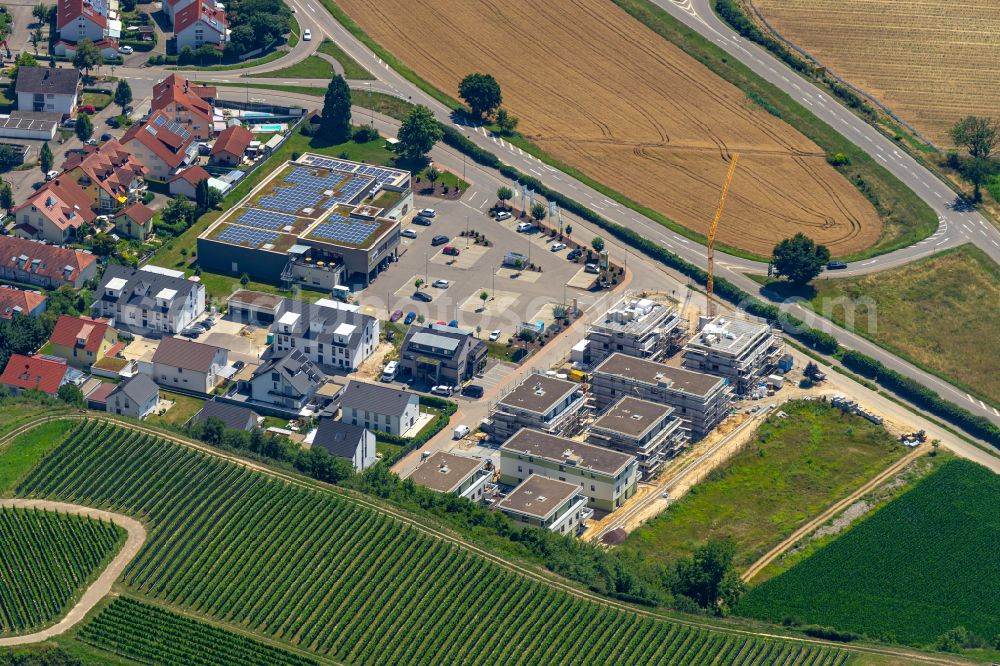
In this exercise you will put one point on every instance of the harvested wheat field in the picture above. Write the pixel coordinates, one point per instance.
(602, 93)
(930, 62)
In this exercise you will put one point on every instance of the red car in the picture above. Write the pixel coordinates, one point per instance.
(89, 110)
(396, 315)
(453, 251)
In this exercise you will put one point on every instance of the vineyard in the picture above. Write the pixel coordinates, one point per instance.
(348, 582)
(45, 558)
(924, 564)
(150, 634)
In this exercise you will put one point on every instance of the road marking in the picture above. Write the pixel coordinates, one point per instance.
(311, 8)
(796, 86)
(983, 404)
(808, 102)
(995, 243)
(879, 156)
(520, 152)
(938, 195)
(869, 139)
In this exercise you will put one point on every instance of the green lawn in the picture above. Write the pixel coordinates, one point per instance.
(253, 62)
(920, 566)
(184, 408)
(96, 100)
(393, 107)
(352, 70)
(941, 313)
(794, 469)
(18, 457)
(312, 67)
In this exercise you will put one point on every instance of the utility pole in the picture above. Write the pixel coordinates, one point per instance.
(493, 269)
(466, 232)
(370, 102)
(427, 271)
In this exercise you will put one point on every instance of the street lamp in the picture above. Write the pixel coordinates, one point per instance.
(370, 102)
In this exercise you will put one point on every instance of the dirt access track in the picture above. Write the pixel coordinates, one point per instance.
(602, 93)
(930, 62)
(100, 587)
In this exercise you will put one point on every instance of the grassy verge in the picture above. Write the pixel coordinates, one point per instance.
(312, 67)
(388, 105)
(96, 100)
(352, 70)
(793, 469)
(906, 310)
(18, 457)
(184, 408)
(253, 62)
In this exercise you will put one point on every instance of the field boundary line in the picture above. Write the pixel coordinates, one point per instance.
(806, 529)
(101, 587)
(530, 572)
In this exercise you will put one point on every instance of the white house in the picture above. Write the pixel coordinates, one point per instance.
(162, 144)
(347, 441)
(335, 337)
(136, 397)
(382, 408)
(185, 364)
(54, 90)
(200, 23)
(87, 19)
(149, 299)
(171, 7)
(289, 381)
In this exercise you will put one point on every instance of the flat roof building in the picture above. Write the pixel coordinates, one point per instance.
(647, 430)
(549, 504)
(441, 354)
(638, 327)
(446, 472)
(606, 477)
(701, 401)
(744, 352)
(542, 402)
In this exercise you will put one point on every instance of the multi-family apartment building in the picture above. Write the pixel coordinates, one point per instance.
(48, 266)
(446, 472)
(148, 300)
(334, 337)
(440, 354)
(108, 174)
(744, 352)
(541, 402)
(638, 327)
(557, 506)
(647, 430)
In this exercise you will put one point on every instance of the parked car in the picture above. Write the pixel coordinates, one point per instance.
(428, 212)
(439, 240)
(558, 246)
(592, 268)
(524, 227)
(90, 142)
(451, 251)
(410, 316)
(106, 137)
(390, 371)
(573, 255)
(88, 109)
(69, 123)
(836, 266)
(307, 36)
(442, 390)
(51, 174)
(239, 365)
(191, 333)
(422, 221)
(473, 391)
(453, 323)
(422, 296)
(441, 284)
(494, 335)
(408, 233)
(125, 49)
(206, 323)
(396, 315)
(503, 215)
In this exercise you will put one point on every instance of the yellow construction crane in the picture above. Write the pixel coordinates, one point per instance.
(711, 234)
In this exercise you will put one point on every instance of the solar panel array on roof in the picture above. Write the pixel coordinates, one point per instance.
(378, 173)
(344, 229)
(246, 236)
(265, 219)
(348, 191)
(159, 120)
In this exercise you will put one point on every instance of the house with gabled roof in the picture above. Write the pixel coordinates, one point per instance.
(289, 381)
(230, 146)
(55, 212)
(48, 266)
(136, 397)
(107, 46)
(148, 300)
(186, 182)
(188, 365)
(40, 373)
(14, 301)
(379, 407)
(350, 442)
(176, 97)
(51, 89)
(77, 20)
(109, 174)
(83, 341)
(200, 23)
(162, 144)
(136, 221)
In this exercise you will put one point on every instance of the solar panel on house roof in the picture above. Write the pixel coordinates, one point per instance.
(159, 120)
(247, 236)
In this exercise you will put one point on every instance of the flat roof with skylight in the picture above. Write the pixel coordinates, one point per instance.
(632, 417)
(539, 393)
(568, 452)
(538, 497)
(445, 472)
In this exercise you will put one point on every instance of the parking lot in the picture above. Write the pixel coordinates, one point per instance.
(513, 296)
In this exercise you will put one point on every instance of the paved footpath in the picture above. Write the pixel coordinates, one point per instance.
(100, 587)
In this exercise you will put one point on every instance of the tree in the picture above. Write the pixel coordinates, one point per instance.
(538, 211)
(9, 157)
(207, 53)
(201, 196)
(481, 92)
(799, 259)
(186, 55)
(45, 158)
(6, 196)
(335, 123)
(244, 279)
(597, 243)
(418, 283)
(70, 394)
(812, 371)
(241, 39)
(708, 576)
(179, 212)
(978, 135)
(506, 121)
(432, 175)
(977, 170)
(123, 94)
(418, 133)
(84, 128)
(40, 12)
(103, 245)
(87, 56)
(483, 296)
(504, 194)
(36, 36)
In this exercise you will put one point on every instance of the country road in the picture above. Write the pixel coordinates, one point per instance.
(100, 587)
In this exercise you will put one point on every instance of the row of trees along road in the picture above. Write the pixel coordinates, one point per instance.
(978, 136)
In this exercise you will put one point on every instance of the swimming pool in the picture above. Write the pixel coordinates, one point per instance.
(268, 128)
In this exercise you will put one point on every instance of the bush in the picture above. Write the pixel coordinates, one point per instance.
(364, 134)
(830, 634)
(310, 129)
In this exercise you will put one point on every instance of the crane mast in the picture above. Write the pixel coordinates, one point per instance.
(711, 235)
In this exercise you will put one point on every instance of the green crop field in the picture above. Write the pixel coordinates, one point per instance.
(45, 558)
(147, 633)
(326, 574)
(925, 563)
(790, 472)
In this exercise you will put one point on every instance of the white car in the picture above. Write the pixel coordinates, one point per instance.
(51, 174)
(503, 215)
(558, 246)
(442, 390)
(441, 284)
(408, 233)
(495, 335)
(428, 212)
(307, 35)
(125, 49)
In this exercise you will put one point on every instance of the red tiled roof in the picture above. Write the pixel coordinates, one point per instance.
(178, 90)
(163, 143)
(233, 140)
(100, 394)
(193, 175)
(110, 165)
(199, 9)
(12, 297)
(33, 372)
(52, 259)
(63, 202)
(69, 330)
(139, 212)
(69, 10)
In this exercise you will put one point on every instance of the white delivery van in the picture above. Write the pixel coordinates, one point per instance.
(461, 431)
(390, 370)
